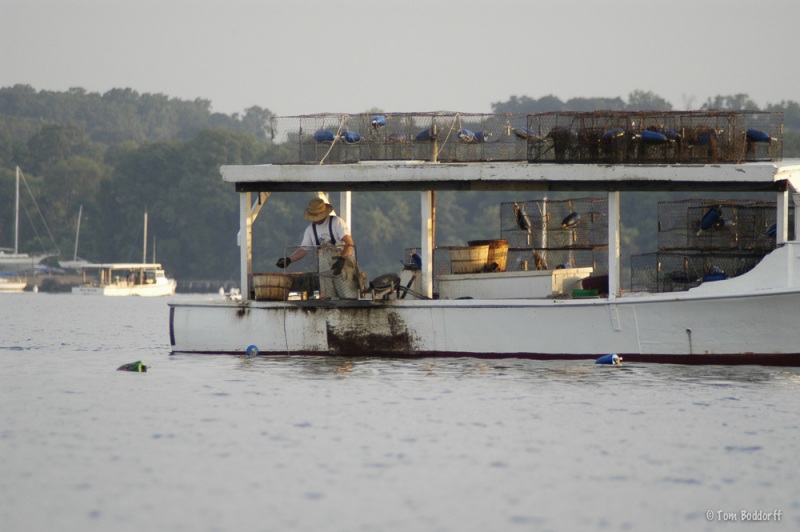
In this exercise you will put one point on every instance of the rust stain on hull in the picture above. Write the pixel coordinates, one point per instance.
(369, 332)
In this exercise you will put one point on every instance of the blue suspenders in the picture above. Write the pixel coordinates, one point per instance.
(330, 231)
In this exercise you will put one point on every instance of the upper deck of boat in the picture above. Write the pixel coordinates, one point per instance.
(421, 175)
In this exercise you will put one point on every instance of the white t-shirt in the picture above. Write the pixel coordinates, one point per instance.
(335, 223)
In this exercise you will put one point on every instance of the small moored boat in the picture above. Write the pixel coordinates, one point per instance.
(125, 279)
(12, 282)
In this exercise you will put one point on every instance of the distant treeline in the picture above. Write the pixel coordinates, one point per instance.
(121, 115)
(120, 153)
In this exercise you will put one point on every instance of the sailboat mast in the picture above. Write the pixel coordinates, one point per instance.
(144, 248)
(16, 218)
(77, 234)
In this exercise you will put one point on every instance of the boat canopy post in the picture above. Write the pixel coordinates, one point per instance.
(782, 227)
(245, 243)
(345, 208)
(248, 212)
(796, 199)
(613, 245)
(426, 243)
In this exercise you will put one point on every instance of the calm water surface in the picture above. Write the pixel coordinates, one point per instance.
(287, 443)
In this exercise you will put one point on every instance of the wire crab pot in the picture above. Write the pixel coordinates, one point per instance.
(441, 136)
(611, 137)
(572, 223)
(717, 225)
(667, 271)
(646, 137)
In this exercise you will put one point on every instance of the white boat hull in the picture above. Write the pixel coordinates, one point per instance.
(12, 286)
(714, 327)
(721, 322)
(123, 289)
(18, 262)
(126, 279)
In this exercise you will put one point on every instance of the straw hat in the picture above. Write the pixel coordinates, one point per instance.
(317, 210)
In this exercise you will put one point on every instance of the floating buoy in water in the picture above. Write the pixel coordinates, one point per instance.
(133, 366)
(611, 360)
(251, 351)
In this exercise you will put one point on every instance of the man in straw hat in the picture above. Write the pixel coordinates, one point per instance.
(338, 273)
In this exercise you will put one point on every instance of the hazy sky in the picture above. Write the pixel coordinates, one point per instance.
(300, 57)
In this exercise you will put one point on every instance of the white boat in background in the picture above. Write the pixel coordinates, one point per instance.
(747, 319)
(147, 279)
(10, 258)
(12, 282)
(125, 279)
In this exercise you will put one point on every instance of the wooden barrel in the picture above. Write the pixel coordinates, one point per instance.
(498, 253)
(271, 286)
(470, 259)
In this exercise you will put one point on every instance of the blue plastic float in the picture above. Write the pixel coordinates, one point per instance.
(324, 136)
(351, 137)
(425, 134)
(524, 133)
(378, 121)
(465, 135)
(482, 136)
(754, 135)
(615, 133)
(611, 360)
(709, 218)
(571, 220)
(653, 137)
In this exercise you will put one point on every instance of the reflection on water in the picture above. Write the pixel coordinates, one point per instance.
(340, 443)
(581, 372)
